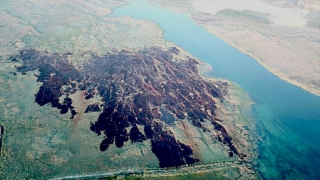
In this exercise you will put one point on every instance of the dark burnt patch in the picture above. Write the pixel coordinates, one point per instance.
(55, 72)
(136, 135)
(230, 154)
(225, 138)
(171, 152)
(93, 108)
(133, 86)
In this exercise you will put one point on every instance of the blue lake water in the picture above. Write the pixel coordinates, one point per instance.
(288, 117)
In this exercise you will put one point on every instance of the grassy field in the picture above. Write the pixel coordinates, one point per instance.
(179, 6)
(313, 24)
(246, 14)
(211, 175)
(205, 175)
(313, 15)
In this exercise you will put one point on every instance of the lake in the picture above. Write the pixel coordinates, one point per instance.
(288, 117)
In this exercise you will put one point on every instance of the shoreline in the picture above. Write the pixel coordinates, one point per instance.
(282, 77)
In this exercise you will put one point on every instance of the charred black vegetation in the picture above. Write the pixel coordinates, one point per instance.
(134, 86)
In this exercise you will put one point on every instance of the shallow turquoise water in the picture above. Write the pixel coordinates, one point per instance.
(288, 117)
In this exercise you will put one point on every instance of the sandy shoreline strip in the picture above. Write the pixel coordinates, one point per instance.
(313, 91)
